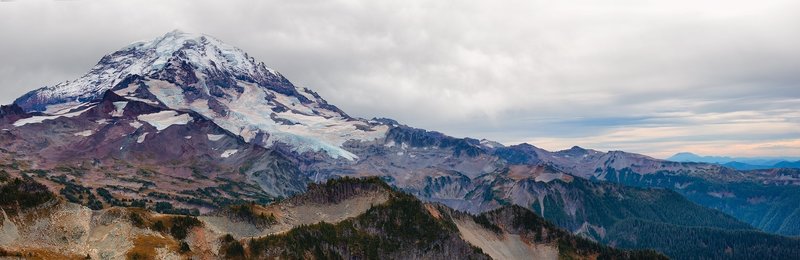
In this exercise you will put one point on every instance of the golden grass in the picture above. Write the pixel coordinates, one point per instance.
(36, 254)
(144, 246)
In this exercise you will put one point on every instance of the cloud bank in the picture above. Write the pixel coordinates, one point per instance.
(655, 77)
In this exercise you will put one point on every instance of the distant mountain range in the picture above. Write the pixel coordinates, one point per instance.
(740, 163)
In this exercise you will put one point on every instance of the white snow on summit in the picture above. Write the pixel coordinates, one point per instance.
(148, 57)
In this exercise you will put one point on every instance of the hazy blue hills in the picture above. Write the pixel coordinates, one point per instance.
(740, 163)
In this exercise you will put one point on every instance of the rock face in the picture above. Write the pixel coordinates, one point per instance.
(11, 113)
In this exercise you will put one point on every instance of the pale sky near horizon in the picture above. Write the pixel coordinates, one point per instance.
(652, 77)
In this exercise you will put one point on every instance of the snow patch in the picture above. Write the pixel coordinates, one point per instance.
(146, 101)
(84, 133)
(130, 89)
(119, 108)
(33, 120)
(62, 107)
(228, 153)
(215, 138)
(164, 119)
(140, 139)
(136, 124)
(40, 119)
(491, 144)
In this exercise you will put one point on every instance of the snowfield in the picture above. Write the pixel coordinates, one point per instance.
(251, 112)
(164, 119)
(39, 119)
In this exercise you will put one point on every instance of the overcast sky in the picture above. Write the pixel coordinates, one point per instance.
(654, 77)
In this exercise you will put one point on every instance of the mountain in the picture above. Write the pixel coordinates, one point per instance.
(199, 73)
(745, 166)
(768, 199)
(691, 157)
(355, 218)
(740, 163)
(785, 164)
(507, 233)
(136, 151)
(185, 124)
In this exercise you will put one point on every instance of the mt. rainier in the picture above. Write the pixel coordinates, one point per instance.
(195, 72)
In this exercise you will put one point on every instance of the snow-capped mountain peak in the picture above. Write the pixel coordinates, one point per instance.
(149, 58)
(185, 71)
(203, 51)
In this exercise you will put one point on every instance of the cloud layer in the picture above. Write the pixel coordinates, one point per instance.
(655, 77)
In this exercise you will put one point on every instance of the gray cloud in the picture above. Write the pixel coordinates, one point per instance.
(655, 77)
